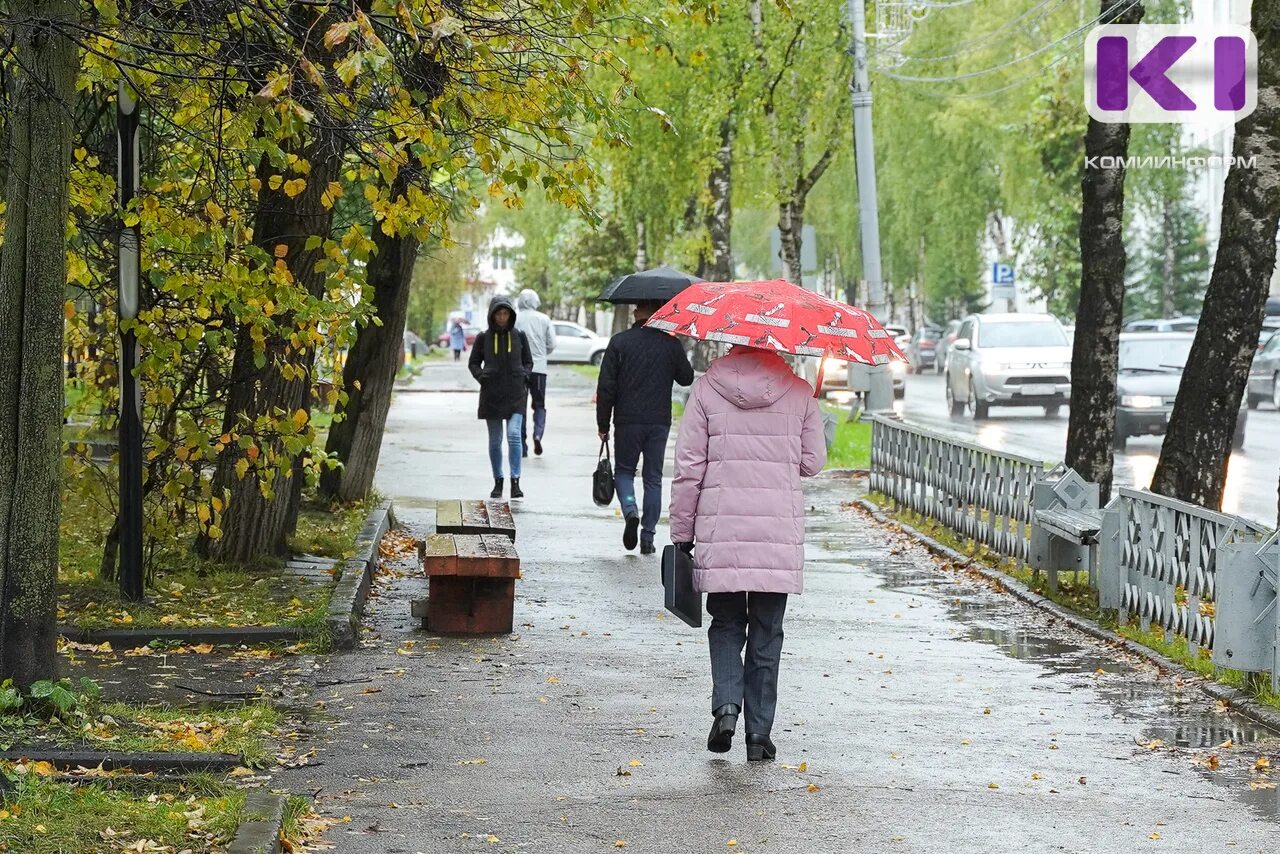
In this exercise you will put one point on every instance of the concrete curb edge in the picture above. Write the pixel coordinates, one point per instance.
(346, 606)
(259, 832)
(1233, 697)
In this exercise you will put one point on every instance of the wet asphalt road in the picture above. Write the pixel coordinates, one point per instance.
(1252, 472)
(919, 710)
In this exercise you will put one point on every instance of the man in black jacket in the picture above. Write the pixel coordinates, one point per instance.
(634, 392)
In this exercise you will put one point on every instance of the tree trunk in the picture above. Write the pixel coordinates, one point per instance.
(1169, 261)
(262, 507)
(33, 274)
(715, 264)
(1100, 313)
(1193, 460)
(372, 364)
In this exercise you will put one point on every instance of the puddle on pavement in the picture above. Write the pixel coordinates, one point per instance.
(1187, 725)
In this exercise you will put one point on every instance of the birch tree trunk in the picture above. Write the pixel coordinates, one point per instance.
(33, 274)
(1193, 460)
(1092, 425)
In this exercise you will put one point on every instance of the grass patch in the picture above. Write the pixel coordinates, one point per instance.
(852, 448)
(44, 816)
(187, 590)
(1075, 594)
(589, 371)
(242, 731)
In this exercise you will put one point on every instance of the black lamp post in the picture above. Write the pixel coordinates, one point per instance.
(130, 424)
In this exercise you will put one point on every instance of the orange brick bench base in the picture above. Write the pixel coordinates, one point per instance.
(473, 583)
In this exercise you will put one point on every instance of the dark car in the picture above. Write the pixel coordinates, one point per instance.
(1264, 375)
(922, 350)
(949, 335)
(1151, 365)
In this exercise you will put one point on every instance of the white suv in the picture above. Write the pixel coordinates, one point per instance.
(1008, 360)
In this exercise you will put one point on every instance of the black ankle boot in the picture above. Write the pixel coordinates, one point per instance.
(721, 738)
(516, 492)
(497, 487)
(760, 748)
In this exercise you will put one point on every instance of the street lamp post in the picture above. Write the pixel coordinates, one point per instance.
(130, 423)
(873, 379)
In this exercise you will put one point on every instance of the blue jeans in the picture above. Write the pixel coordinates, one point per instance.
(629, 442)
(514, 444)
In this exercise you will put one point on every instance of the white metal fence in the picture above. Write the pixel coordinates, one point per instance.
(1160, 560)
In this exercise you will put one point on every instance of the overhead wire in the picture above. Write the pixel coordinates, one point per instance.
(970, 75)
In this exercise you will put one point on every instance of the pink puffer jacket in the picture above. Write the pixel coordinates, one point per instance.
(750, 431)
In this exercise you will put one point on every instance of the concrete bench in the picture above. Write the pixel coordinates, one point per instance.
(475, 517)
(472, 583)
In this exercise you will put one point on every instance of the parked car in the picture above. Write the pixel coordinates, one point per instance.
(576, 343)
(901, 336)
(1168, 324)
(1008, 360)
(1264, 374)
(949, 336)
(835, 376)
(1150, 371)
(469, 331)
(922, 350)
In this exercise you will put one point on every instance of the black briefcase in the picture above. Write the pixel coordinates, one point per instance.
(602, 479)
(677, 578)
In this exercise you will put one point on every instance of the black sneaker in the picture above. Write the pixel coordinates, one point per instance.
(647, 547)
(537, 447)
(631, 533)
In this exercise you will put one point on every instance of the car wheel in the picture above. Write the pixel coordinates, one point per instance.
(1119, 439)
(1253, 400)
(1052, 411)
(954, 406)
(1275, 391)
(979, 409)
(597, 358)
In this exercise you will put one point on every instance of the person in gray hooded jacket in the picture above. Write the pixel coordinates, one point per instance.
(541, 335)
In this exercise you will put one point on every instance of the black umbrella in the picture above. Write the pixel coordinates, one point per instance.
(657, 285)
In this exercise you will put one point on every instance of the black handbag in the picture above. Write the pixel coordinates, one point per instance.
(602, 480)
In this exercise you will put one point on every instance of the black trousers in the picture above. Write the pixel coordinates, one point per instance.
(753, 620)
(538, 400)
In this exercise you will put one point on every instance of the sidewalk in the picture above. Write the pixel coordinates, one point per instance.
(929, 712)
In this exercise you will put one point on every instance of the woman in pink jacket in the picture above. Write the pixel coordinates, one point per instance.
(750, 431)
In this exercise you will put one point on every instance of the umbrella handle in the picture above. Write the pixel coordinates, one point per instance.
(822, 371)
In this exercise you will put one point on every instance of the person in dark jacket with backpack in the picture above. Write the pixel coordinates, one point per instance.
(634, 392)
(501, 362)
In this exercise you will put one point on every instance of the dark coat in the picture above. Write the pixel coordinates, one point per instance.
(501, 362)
(639, 367)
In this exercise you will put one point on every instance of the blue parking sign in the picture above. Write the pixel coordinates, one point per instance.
(1001, 274)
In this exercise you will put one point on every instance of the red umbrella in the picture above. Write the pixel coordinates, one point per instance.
(777, 315)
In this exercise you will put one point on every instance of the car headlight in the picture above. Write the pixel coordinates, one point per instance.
(1141, 401)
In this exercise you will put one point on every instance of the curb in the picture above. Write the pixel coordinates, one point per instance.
(259, 831)
(139, 763)
(132, 638)
(346, 606)
(1238, 700)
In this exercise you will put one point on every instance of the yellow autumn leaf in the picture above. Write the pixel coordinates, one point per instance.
(814, 787)
(300, 419)
(242, 468)
(214, 210)
(69, 309)
(295, 187)
(203, 514)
